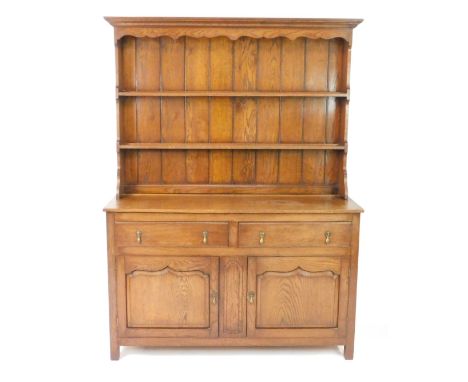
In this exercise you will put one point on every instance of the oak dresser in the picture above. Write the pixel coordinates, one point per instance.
(232, 225)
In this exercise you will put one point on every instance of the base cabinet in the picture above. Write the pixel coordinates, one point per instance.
(246, 288)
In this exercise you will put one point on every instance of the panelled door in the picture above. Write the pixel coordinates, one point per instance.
(167, 296)
(297, 296)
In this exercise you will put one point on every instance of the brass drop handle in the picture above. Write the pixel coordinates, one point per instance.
(205, 237)
(138, 236)
(328, 237)
(262, 238)
(214, 297)
(251, 297)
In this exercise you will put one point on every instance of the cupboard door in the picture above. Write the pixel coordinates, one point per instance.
(297, 296)
(167, 296)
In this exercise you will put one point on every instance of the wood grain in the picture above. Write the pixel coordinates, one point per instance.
(230, 251)
(127, 64)
(149, 167)
(234, 93)
(245, 109)
(233, 28)
(117, 59)
(349, 347)
(163, 234)
(173, 110)
(238, 189)
(297, 299)
(333, 163)
(315, 110)
(112, 288)
(268, 113)
(221, 204)
(221, 111)
(197, 109)
(187, 318)
(250, 139)
(168, 299)
(234, 217)
(290, 235)
(291, 121)
(148, 110)
(127, 110)
(233, 22)
(233, 146)
(292, 276)
(343, 181)
(233, 286)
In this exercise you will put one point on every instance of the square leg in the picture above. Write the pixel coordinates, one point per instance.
(114, 351)
(349, 351)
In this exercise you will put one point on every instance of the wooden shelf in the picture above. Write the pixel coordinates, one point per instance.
(232, 146)
(217, 93)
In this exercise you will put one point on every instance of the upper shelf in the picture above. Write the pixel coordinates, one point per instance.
(229, 93)
(232, 146)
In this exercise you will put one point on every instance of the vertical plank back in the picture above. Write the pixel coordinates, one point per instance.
(268, 109)
(197, 58)
(291, 121)
(148, 109)
(245, 108)
(173, 109)
(246, 64)
(315, 109)
(127, 108)
(221, 110)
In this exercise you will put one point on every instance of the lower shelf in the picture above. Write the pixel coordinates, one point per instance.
(229, 188)
(232, 146)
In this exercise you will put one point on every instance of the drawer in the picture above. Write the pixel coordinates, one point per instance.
(292, 234)
(172, 234)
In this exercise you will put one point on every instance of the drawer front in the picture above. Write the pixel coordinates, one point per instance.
(172, 234)
(300, 234)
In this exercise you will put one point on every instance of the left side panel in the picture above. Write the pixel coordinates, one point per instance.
(111, 266)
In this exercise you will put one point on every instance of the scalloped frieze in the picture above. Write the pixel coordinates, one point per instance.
(235, 33)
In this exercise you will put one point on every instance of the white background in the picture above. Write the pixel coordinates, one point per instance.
(407, 167)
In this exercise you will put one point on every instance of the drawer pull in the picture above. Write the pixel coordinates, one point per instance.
(138, 236)
(328, 237)
(205, 237)
(251, 297)
(214, 297)
(262, 238)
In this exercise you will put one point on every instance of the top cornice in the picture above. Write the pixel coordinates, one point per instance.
(231, 22)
